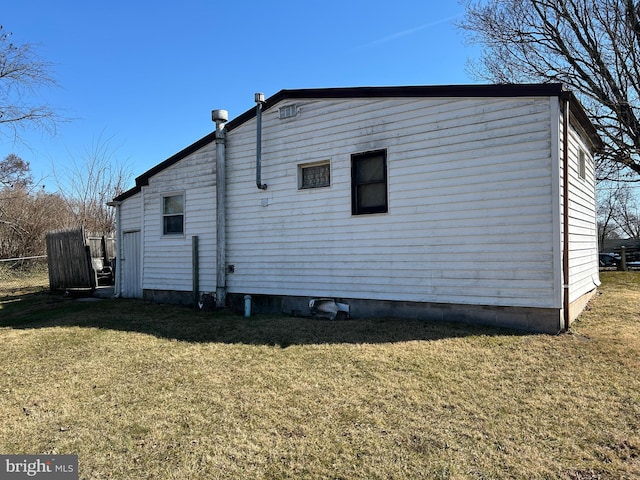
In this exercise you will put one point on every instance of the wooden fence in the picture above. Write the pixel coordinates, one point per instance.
(69, 261)
(632, 248)
(102, 247)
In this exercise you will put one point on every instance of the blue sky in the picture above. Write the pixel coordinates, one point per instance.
(146, 75)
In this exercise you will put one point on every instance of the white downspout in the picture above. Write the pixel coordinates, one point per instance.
(566, 278)
(220, 117)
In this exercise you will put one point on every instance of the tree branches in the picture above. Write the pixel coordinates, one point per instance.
(618, 213)
(22, 74)
(86, 185)
(15, 172)
(593, 46)
(90, 180)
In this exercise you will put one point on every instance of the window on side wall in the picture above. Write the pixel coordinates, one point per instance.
(369, 182)
(173, 215)
(582, 164)
(314, 175)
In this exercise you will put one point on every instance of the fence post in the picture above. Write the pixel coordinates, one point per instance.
(622, 266)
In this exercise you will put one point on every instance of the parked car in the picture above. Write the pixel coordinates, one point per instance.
(609, 259)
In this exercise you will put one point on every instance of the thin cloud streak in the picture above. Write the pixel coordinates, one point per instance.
(405, 33)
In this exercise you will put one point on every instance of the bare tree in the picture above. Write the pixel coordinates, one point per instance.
(625, 214)
(592, 46)
(618, 214)
(90, 180)
(25, 217)
(27, 211)
(22, 74)
(15, 172)
(606, 211)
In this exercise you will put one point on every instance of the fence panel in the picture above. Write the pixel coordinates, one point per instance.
(69, 260)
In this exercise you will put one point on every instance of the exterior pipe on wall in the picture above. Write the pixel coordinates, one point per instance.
(247, 306)
(220, 117)
(565, 213)
(259, 99)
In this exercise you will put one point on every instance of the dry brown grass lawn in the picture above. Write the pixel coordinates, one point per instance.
(149, 391)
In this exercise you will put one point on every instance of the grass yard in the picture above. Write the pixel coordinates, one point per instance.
(144, 391)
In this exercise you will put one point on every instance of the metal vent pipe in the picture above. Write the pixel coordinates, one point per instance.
(221, 117)
(259, 99)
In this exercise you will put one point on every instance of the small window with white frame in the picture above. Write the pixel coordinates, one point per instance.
(173, 214)
(582, 164)
(314, 175)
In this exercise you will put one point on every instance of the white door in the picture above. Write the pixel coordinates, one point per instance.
(130, 263)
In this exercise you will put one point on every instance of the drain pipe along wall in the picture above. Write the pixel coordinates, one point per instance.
(220, 117)
(259, 99)
(566, 279)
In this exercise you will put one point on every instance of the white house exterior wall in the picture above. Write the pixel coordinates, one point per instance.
(131, 213)
(583, 246)
(470, 217)
(168, 258)
(130, 219)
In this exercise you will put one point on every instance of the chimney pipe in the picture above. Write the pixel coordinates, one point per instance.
(220, 117)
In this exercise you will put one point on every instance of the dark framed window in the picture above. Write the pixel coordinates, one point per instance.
(369, 182)
(173, 215)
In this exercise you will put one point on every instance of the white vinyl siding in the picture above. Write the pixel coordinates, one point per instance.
(583, 247)
(470, 211)
(168, 258)
(131, 213)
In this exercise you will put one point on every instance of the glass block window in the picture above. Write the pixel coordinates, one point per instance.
(315, 175)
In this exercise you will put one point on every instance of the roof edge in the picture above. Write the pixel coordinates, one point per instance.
(127, 194)
(578, 111)
(418, 91)
(143, 179)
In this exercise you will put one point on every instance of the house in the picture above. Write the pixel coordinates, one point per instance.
(434, 202)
